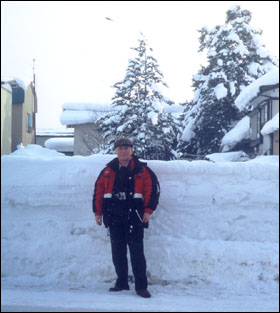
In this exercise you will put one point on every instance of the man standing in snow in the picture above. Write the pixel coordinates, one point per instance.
(126, 194)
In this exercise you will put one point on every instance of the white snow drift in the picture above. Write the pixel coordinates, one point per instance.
(216, 224)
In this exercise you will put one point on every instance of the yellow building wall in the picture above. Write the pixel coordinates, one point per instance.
(6, 121)
(28, 108)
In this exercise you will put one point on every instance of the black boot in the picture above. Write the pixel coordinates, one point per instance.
(143, 293)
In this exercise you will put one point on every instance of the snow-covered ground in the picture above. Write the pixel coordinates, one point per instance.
(212, 244)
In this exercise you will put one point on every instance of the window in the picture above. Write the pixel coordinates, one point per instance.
(29, 123)
(262, 115)
(258, 124)
(265, 113)
(266, 117)
(254, 127)
(274, 107)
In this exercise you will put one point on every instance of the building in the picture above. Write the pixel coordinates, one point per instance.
(264, 108)
(6, 119)
(61, 140)
(261, 100)
(83, 117)
(23, 113)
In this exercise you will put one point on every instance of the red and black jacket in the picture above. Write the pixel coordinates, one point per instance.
(143, 186)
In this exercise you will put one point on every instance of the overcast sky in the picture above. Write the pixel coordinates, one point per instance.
(82, 48)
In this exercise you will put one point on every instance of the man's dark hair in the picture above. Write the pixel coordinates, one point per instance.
(123, 142)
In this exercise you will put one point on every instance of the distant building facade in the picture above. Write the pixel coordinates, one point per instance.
(258, 132)
(83, 117)
(264, 107)
(6, 119)
(61, 140)
(23, 112)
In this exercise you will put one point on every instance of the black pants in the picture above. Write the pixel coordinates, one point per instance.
(122, 236)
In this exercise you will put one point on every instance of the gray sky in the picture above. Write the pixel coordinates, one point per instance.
(80, 53)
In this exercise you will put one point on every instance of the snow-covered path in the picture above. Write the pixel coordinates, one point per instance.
(170, 298)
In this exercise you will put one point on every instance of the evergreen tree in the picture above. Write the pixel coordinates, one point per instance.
(235, 57)
(139, 106)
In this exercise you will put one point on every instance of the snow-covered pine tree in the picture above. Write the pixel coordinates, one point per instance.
(139, 105)
(235, 58)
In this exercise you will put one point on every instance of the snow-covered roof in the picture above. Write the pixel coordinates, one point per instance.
(251, 91)
(15, 81)
(75, 113)
(7, 87)
(235, 135)
(271, 126)
(87, 106)
(56, 132)
(60, 144)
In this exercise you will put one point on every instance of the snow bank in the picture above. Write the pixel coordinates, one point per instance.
(217, 223)
(235, 156)
(36, 151)
(60, 144)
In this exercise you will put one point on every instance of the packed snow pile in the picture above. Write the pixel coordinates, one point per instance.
(60, 144)
(216, 223)
(234, 156)
(36, 151)
(271, 126)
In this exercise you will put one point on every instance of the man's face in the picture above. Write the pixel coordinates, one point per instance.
(124, 153)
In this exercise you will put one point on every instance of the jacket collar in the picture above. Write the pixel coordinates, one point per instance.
(134, 164)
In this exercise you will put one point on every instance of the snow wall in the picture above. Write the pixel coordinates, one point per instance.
(216, 223)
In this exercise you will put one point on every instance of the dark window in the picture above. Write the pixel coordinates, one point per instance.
(17, 95)
(258, 124)
(29, 123)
